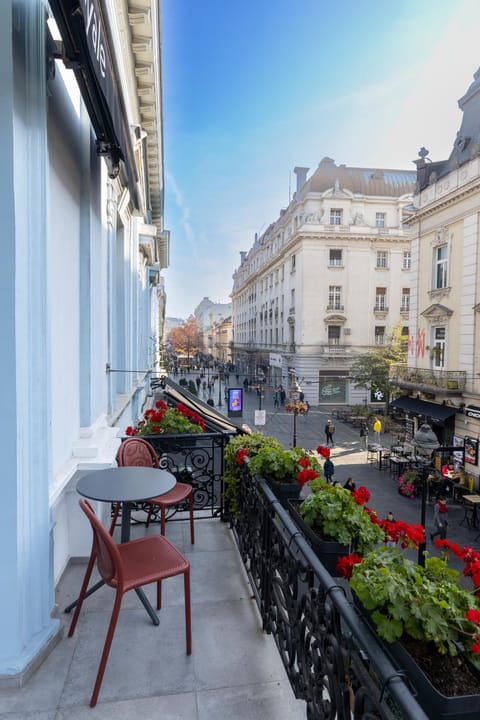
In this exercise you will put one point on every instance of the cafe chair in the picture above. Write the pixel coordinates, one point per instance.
(128, 566)
(137, 451)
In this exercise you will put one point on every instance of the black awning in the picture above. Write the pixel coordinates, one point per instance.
(214, 419)
(87, 53)
(437, 413)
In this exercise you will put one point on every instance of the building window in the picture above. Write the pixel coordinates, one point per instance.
(335, 297)
(379, 335)
(380, 219)
(336, 216)
(441, 267)
(382, 259)
(438, 350)
(405, 306)
(293, 263)
(335, 258)
(334, 334)
(380, 299)
(407, 260)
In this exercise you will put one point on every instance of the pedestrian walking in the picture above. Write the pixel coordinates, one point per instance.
(377, 429)
(364, 433)
(440, 519)
(276, 399)
(283, 396)
(329, 430)
(328, 470)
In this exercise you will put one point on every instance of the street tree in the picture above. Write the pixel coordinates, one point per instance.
(186, 339)
(371, 371)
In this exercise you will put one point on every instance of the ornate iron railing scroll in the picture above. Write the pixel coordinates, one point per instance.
(195, 459)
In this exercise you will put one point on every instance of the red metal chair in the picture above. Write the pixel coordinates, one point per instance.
(128, 566)
(137, 451)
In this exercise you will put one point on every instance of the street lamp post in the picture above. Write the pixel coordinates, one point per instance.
(426, 441)
(294, 397)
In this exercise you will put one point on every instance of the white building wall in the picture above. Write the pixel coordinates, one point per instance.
(63, 410)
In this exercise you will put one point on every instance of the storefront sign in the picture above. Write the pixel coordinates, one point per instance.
(275, 360)
(472, 411)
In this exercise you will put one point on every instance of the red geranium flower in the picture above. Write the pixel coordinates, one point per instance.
(304, 462)
(241, 455)
(346, 564)
(306, 475)
(361, 495)
(323, 451)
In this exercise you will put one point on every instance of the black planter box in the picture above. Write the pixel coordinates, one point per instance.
(327, 551)
(435, 705)
(284, 491)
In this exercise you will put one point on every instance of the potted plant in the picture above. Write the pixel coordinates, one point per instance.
(164, 419)
(409, 484)
(336, 522)
(238, 451)
(286, 471)
(429, 621)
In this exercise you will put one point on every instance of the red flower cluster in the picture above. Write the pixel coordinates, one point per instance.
(346, 564)
(304, 462)
(361, 495)
(241, 455)
(323, 451)
(470, 557)
(306, 475)
(408, 535)
(189, 414)
(154, 417)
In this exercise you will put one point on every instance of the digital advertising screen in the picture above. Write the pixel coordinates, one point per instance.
(235, 402)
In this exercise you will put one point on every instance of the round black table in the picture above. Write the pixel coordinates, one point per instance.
(126, 485)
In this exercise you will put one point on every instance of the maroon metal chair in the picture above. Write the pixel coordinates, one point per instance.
(137, 451)
(128, 566)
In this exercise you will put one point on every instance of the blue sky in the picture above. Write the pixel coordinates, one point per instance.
(253, 88)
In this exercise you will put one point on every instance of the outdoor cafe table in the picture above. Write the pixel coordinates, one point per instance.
(474, 500)
(126, 485)
(378, 450)
(398, 465)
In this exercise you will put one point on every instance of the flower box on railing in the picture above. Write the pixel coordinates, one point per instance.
(432, 700)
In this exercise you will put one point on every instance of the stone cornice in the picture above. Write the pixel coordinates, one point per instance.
(444, 202)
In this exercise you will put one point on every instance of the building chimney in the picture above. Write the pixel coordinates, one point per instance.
(301, 173)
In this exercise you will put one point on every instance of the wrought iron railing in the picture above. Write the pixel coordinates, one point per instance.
(195, 459)
(412, 378)
(333, 661)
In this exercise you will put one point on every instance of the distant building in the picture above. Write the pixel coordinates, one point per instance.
(327, 281)
(207, 312)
